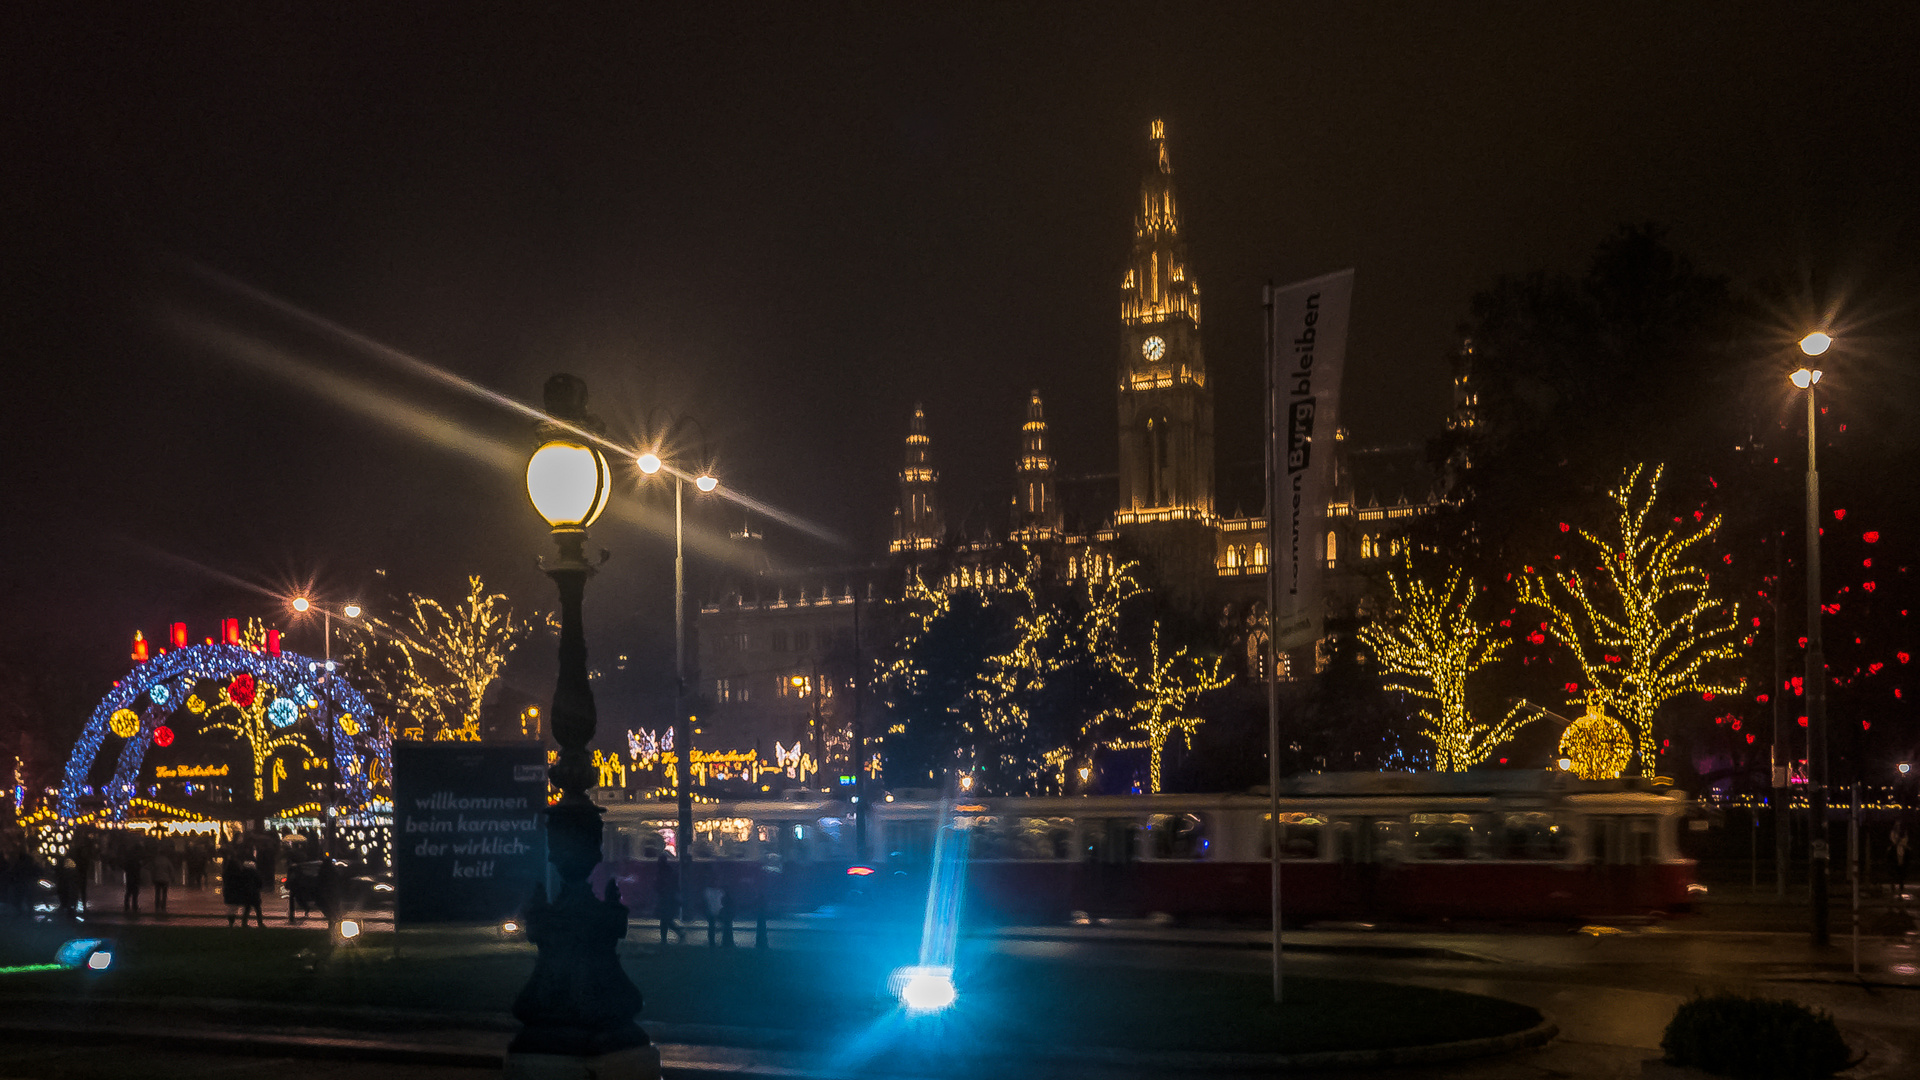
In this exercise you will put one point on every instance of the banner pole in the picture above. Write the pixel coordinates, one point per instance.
(1273, 649)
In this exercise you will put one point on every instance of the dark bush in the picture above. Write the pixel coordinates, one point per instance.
(1754, 1039)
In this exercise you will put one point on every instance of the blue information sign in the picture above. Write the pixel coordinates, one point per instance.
(469, 841)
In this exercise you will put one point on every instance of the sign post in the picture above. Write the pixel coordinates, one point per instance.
(1306, 351)
(467, 841)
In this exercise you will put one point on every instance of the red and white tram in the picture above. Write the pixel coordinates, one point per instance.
(1494, 845)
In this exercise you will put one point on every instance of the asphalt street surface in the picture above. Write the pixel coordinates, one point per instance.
(1610, 989)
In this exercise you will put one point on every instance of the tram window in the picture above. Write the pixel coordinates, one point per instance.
(1108, 840)
(795, 841)
(1387, 840)
(1299, 838)
(909, 842)
(1017, 838)
(1532, 836)
(1445, 836)
(1177, 836)
(723, 838)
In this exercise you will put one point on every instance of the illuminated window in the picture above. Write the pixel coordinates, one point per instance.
(1333, 548)
(1259, 554)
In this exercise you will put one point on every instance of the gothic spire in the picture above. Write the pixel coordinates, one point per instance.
(916, 521)
(1036, 513)
(1157, 286)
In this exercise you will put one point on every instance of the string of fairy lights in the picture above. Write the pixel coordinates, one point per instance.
(267, 701)
(1432, 644)
(432, 666)
(1645, 625)
(1051, 640)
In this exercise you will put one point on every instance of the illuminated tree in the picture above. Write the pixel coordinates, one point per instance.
(1166, 687)
(1062, 680)
(259, 716)
(1012, 677)
(1432, 640)
(1643, 623)
(432, 667)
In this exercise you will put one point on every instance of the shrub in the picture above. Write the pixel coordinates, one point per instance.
(1754, 1038)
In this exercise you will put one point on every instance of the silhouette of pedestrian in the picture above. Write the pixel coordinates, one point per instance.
(666, 898)
(161, 872)
(133, 865)
(1899, 852)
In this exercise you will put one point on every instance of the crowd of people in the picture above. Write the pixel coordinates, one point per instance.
(244, 866)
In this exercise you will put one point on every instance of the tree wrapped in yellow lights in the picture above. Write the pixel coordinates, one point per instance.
(1167, 687)
(1432, 641)
(433, 666)
(1642, 622)
(259, 716)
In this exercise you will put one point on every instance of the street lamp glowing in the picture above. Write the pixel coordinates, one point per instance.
(568, 484)
(649, 463)
(1805, 377)
(301, 604)
(1814, 344)
(706, 483)
(352, 611)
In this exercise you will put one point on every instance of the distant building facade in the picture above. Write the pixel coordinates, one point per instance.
(777, 652)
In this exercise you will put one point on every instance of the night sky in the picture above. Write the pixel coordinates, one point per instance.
(792, 226)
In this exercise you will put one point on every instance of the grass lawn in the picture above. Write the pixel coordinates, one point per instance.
(833, 994)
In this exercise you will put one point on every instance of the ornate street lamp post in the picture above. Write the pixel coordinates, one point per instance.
(1816, 678)
(577, 1009)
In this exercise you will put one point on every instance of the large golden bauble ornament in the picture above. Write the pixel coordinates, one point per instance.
(124, 723)
(1598, 746)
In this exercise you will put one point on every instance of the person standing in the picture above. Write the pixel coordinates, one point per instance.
(715, 897)
(253, 882)
(1899, 852)
(233, 884)
(133, 865)
(666, 898)
(161, 870)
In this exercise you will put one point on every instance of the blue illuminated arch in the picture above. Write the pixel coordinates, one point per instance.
(155, 689)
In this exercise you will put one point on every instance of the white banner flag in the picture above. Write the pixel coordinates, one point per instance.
(1306, 351)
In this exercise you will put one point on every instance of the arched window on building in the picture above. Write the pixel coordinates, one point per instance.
(1333, 548)
(1259, 554)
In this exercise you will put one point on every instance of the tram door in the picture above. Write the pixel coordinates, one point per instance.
(1618, 846)
(1109, 848)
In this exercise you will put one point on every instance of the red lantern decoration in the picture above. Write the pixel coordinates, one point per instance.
(230, 631)
(139, 648)
(177, 633)
(163, 736)
(273, 643)
(241, 690)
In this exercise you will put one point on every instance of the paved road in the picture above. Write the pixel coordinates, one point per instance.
(1611, 991)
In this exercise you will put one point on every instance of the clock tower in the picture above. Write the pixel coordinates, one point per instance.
(1166, 410)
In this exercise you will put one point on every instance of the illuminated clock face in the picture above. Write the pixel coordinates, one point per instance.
(1153, 349)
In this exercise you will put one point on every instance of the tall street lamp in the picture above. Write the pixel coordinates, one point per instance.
(578, 1006)
(303, 605)
(1806, 379)
(651, 464)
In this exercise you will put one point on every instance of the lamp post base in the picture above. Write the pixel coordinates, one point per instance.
(633, 1063)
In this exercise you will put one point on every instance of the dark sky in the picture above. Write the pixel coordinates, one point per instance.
(793, 224)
